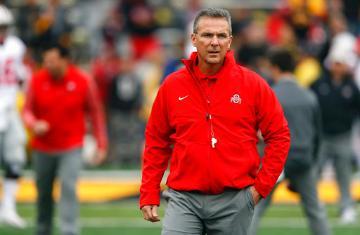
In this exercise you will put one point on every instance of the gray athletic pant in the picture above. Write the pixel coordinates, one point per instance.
(228, 213)
(67, 167)
(339, 150)
(305, 184)
(12, 146)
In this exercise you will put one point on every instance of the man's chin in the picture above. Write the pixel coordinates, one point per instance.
(213, 60)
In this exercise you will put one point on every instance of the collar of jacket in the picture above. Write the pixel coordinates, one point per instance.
(191, 66)
(288, 79)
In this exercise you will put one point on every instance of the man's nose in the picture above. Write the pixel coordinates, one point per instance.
(214, 41)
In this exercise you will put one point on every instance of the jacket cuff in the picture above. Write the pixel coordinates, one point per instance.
(262, 189)
(149, 198)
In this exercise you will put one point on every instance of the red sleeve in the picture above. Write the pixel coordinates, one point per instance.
(28, 115)
(97, 116)
(274, 128)
(157, 151)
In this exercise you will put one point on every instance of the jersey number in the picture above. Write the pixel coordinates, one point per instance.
(7, 73)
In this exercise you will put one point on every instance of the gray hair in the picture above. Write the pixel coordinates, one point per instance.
(212, 13)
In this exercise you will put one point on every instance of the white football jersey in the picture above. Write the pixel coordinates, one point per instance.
(12, 70)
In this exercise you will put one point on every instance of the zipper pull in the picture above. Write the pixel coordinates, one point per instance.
(213, 142)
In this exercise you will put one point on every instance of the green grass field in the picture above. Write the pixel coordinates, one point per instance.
(124, 218)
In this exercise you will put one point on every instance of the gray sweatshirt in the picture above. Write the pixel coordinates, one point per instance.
(302, 112)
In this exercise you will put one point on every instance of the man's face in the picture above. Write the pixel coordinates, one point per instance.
(212, 39)
(339, 69)
(54, 63)
(274, 72)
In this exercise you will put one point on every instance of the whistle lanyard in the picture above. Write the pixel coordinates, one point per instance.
(206, 99)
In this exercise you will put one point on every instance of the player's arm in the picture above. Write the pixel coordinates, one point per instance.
(37, 126)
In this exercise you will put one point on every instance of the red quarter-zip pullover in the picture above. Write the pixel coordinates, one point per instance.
(64, 104)
(186, 116)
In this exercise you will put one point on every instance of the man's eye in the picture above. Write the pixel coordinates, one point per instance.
(207, 35)
(222, 36)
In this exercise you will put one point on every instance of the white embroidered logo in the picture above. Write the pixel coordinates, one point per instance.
(184, 97)
(71, 86)
(235, 99)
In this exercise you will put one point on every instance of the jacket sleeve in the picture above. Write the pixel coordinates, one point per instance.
(274, 128)
(96, 114)
(157, 150)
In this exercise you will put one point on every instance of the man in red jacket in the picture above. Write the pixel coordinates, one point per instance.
(59, 98)
(205, 120)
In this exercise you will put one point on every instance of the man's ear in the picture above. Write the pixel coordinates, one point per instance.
(229, 46)
(193, 39)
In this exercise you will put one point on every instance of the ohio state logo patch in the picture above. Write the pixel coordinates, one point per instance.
(235, 99)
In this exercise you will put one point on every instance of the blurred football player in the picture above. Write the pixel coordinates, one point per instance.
(12, 135)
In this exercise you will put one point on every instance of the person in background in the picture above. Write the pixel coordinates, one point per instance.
(13, 73)
(59, 98)
(303, 115)
(204, 122)
(27, 16)
(339, 100)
